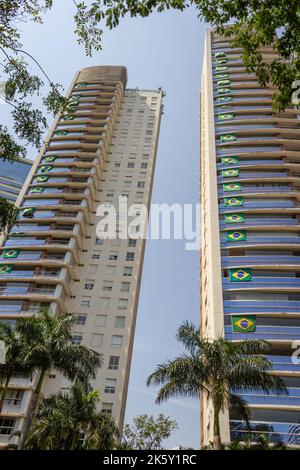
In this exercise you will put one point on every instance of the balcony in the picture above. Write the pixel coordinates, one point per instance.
(247, 204)
(260, 221)
(275, 333)
(288, 433)
(257, 240)
(261, 260)
(266, 306)
(278, 283)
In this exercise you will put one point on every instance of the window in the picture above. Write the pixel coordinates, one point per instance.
(13, 397)
(96, 256)
(141, 184)
(127, 271)
(113, 363)
(113, 257)
(76, 339)
(80, 319)
(125, 286)
(99, 241)
(130, 165)
(107, 408)
(129, 256)
(120, 322)
(132, 242)
(123, 303)
(6, 426)
(116, 341)
(107, 286)
(97, 341)
(117, 164)
(85, 302)
(110, 270)
(89, 285)
(104, 302)
(110, 385)
(101, 320)
(144, 165)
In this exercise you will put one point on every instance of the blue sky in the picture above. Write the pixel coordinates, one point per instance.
(164, 50)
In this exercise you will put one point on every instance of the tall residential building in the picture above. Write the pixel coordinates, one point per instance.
(250, 192)
(104, 146)
(12, 177)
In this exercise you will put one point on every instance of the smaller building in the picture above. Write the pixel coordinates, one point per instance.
(12, 177)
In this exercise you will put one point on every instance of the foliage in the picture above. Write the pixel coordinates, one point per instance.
(70, 421)
(218, 368)
(147, 433)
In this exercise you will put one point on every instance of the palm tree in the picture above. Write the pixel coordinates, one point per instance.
(14, 360)
(216, 367)
(71, 421)
(51, 348)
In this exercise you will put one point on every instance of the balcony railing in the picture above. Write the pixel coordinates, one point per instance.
(259, 260)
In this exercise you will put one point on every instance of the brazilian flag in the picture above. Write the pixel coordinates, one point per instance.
(226, 116)
(234, 218)
(50, 158)
(81, 85)
(232, 160)
(222, 91)
(236, 236)
(228, 137)
(246, 324)
(233, 201)
(12, 253)
(231, 172)
(6, 269)
(68, 117)
(221, 68)
(221, 76)
(241, 275)
(61, 133)
(38, 189)
(225, 98)
(28, 212)
(224, 82)
(232, 187)
(222, 61)
(45, 168)
(226, 106)
(220, 54)
(42, 178)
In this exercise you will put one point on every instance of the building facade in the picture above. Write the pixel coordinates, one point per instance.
(102, 147)
(250, 233)
(12, 177)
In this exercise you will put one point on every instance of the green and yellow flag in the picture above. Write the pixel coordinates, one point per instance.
(42, 178)
(50, 158)
(68, 117)
(243, 324)
(234, 201)
(61, 133)
(221, 68)
(222, 61)
(223, 82)
(6, 269)
(236, 236)
(240, 275)
(220, 54)
(38, 189)
(46, 168)
(222, 76)
(228, 137)
(232, 187)
(223, 91)
(225, 98)
(226, 106)
(230, 173)
(28, 212)
(12, 253)
(232, 160)
(81, 85)
(226, 116)
(234, 218)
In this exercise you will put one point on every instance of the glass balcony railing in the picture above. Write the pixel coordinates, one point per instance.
(261, 241)
(268, 306)
(275, 204)
(288, 433)
(254, 175)
(280, 336)
(263, 282)
(261, 221)
(257, 163)
(245, 261)
(255, 190)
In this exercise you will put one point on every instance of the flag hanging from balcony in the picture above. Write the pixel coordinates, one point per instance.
(226, 106)
(223, 82)
(221, 76)
(46, 168)
(6, 268)
(222, 61)
(232, 187)
(236, 236)
(228, 137)
(231, 172)
(61, 133)
(68, 117)
(28, 212)
(234, 218)
(37, 190)
(226, 116)
(42, 178)
(223, 91)
(81, 85)
(232, 160)
(220, 54)
(246, 324)
(234, 201)
(12, 253)
(221, 68)
(50, 158)
(225, 98)
(240, 275)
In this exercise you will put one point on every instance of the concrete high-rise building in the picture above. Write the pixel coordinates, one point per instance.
(12, 177)
(250, 233)
(104, 146)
